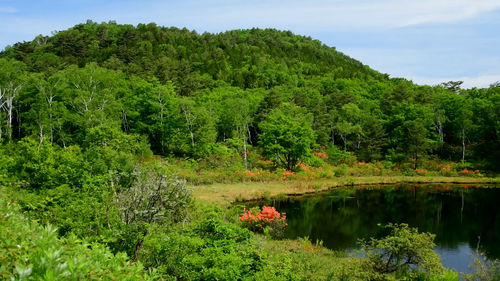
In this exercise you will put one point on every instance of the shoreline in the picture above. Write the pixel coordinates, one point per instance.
(229, 193)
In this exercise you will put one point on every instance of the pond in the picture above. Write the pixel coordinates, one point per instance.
(463, 217)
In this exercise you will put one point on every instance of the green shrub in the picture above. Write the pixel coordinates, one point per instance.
(404, 250)
(208, 250)
(447, 275)
(314, 161)
(483, 268)
(153, 197)
(337, 156)
(29, 251)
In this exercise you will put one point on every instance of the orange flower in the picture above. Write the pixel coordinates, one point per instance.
(262, 218)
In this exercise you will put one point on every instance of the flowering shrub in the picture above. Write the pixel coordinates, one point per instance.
(321, 155)
(287, 174)
(306, 172)
(420, 171)
(470, 172)
(445, 168)
(268, 221)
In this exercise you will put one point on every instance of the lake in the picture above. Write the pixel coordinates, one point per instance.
(463, 217)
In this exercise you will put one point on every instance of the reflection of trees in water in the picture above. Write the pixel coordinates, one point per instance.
(343, 216)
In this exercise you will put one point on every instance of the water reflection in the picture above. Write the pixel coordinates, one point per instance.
(461, 217)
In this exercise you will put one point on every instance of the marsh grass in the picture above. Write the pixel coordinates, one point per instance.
(227, 193)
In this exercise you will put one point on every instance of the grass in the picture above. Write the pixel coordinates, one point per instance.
(227, 193)
(310, 261)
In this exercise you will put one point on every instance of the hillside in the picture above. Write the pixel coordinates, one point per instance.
(132, 141)
(242, 58)
(187, 92)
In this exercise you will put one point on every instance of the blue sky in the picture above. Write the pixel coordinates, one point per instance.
(427, 41)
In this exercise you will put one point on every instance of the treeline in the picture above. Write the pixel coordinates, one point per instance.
(183, 94)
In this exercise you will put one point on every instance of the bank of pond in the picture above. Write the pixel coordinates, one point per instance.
(464, 218)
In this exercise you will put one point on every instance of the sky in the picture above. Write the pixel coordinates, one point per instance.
(427, 41)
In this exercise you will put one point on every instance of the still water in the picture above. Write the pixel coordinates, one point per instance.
(463, 217)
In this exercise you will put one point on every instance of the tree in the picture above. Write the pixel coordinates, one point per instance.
(464, 119)
(453, 86)
(200, 125)
(163, 117)
(348, 124)
(91, 96)
(238, 116)
(287, 135)
(411, 131)
(418, 143)
(153, 197)
(460, 119)
(403, 249)
(375, 138)
(45, 109)
(12, 80)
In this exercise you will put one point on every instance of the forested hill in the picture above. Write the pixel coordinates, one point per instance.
(183, 94)
(253, 58)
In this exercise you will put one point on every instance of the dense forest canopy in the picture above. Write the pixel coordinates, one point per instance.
(194, 95)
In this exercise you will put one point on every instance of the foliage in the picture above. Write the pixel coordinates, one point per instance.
(208, 250)
(301, 259)
(287, 136)
(186, 95)
(447, 275)
(337, 156)
(404, 249)
(83, 111)
(29, 251)
(267, 220)
(483, 268)
(153, 197)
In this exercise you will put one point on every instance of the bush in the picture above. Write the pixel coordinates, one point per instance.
(220, 157)
(153, 197)
(403, 250)
(209, 250)
(29, 251)
(484, 269)
(337, 156)
(447, 275)
(315, 161)
(41, 166)
(268, 221)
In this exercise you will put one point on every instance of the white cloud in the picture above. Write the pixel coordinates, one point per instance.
(443, 11)
(320, 14)
(469, 82)
(8, 10)
(431, 66)
(405, 52)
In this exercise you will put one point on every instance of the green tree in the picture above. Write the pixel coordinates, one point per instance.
(418, 142)
(465, 124)
(348, 125)
(287, 135)
(411, 130)
(199, 125)
(153, 197)
(12, 80)
(237, 115)
(91, 95)
(404, 249)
